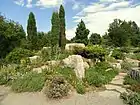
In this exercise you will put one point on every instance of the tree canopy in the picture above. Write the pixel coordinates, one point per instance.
(81, 33)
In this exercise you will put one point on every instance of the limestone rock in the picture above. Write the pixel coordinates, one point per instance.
(71, 46)
(76, 62)
(39, 69)
(135, 63)
(116, 65)
(34, 58)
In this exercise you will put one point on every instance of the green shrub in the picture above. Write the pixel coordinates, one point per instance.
(80, 88)
(136, 56)
(137, 51)
(57, 87)
(101, 74)
(125, 49)
(68, 74)
(111, 59)
(129, 81)
(131, 98)
(134, 84)
(118, 54)
(53, 53)
(126, 65)
(7, 74)
(29, 82)
(17, 54)
(93, 52)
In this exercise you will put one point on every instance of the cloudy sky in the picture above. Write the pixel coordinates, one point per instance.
(97, 14)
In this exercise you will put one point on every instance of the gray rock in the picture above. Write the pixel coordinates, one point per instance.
(76, 62)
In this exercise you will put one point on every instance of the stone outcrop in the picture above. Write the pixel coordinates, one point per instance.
(76, 62)
(34, 58)
(135, 63)
(71, 46)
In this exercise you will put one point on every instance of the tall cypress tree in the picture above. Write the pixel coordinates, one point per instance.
(62, 37)
(55, 31)
(32, 30)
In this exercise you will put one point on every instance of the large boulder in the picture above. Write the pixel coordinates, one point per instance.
(72, 46)
(76, 62)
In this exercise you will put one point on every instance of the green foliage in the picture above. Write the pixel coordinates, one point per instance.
(95, 39)
(124, 33)
(68, 74)
(53, 53)
(17, 54)
(11, 34)
(92, 52)
(29, 82)
(81, 34)
(11, 72)
(131, 98)
(126, 65)
(57, 87)
(62, 35)
(137, 50)
(129, 81)
(125, 49)
(118, 54)
(136, 56)
(55, 31)
(80, 88)
(32, 30)
(101, 74)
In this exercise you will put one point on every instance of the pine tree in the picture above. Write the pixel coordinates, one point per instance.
(81, 33)
(32, 30)
(55, 31)
(62, 37)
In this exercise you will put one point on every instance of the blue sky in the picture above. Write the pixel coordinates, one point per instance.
(97, 14)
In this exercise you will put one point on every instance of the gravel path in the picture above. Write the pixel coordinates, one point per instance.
(107, 97)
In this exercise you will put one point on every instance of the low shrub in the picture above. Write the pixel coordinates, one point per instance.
(57, 87)
(53, 53)
(101, 74)
(137, 51)
(126, 66)
(93, 52)
(111, 59)
(136, 56)
(7, 74)
(129, 81)
(17, 54)
(134, 84)
(29, 82)
(125, 49)
(118, 54)
(68, 74)
(80, 88)
(131, 98)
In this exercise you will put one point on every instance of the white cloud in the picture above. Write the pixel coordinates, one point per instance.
(97, 17)
(29, 4)
(19, 2)
(49, 3)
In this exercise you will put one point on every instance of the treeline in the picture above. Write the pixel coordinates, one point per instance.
(12, 35)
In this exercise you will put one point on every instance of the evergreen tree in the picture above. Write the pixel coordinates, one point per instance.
(32, 30)
(55, 31)
(95, 39)
(62, 37)
(81, 33)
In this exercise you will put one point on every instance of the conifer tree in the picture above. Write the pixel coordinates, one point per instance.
(55, 31)
(62, 37)
(32, 30)
(81, 33)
